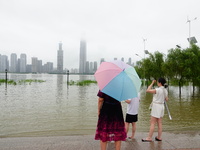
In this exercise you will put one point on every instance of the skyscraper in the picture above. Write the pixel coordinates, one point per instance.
(87, 67)
(34, 65)
(129, 61)
(22, 63)
(4, 63)
(83, 59)
(102, 60)
(13, 63)
(95, 66)
(39, 66)
(60, 59)
(91, 67)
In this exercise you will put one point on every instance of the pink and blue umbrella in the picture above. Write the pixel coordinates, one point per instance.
(118, 80)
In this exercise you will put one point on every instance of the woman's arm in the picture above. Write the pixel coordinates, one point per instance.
(100, 103)
(149, 89)
(128, 101)
(166, 98)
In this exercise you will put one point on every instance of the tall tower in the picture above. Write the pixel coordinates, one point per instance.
(83, 59)
(4, 63)
(60, 59)
(22, 63)
(34, 65)
(13, 64)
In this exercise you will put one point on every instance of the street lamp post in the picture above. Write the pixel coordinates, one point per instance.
(6, 71)
(189, 21)
(144, 40)
(145, 52)
(144, 68)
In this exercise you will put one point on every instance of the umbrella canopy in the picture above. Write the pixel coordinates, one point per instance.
(118, 80)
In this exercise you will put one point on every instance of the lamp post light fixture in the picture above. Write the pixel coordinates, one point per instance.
(144, 69)
(144, 40)
(146, 51)
(138, 56)
(178, 46)
(190, 38)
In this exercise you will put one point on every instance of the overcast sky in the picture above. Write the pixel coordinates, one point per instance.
(112, 28)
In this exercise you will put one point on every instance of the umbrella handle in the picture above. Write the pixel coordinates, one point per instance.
(170, 117)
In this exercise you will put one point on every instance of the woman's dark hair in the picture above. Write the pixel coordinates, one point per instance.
(163, 82)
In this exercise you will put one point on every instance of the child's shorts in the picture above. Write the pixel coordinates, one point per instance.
(131, 118)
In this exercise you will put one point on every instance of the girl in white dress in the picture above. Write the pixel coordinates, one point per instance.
(160, 94)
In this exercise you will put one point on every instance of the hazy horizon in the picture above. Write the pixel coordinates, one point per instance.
(111, 28)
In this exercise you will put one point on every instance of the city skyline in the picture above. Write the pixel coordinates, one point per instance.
(19, 64)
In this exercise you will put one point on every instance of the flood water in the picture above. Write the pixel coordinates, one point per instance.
(53, 108)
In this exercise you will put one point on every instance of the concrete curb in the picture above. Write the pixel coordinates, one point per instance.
(181, 141)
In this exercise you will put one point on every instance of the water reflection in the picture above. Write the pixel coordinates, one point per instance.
(53, 108)
(59, 88)
(5, 90)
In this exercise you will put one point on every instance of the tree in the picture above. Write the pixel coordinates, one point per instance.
(176, 66)
(191, 59)
(153, 66)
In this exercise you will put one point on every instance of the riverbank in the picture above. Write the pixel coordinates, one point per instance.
(180, 141)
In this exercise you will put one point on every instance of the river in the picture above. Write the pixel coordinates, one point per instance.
(54, 108)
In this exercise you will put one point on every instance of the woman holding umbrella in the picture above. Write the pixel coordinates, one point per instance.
(110, 126)
(117, 82)
(157, 112)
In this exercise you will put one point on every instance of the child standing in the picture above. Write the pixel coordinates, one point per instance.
(132, 115)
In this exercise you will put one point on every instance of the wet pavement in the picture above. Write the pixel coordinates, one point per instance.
(178, 141)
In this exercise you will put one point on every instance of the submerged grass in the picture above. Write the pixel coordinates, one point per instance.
(30, 81)
(82, 83)
(12, 82)
(8, 81)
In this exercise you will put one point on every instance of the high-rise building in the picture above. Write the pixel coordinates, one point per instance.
(13, 63)
(4, 63)
(0, 62)
(39, 66)
(29, 68)
(102, 60)
(95, 66)
(129, 61)
(91, 67)
(87, 67)
(60, 59)
(83, 58)
(34, 65)
(22, 67)
(49, 67)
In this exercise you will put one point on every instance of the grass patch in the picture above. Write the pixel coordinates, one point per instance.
(8, 81)
(82, 83)
(29, 81)
(12, 82)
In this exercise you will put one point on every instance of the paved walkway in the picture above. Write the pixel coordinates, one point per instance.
(180, 141)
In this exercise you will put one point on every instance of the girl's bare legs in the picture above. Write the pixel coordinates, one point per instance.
(133, 129)
(117, 145)
(127, 127)
(159, 129)
(152, 126)
(103, 145)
